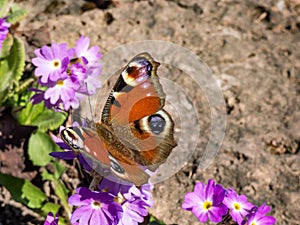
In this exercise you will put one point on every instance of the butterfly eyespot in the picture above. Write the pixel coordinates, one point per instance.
(130, 69)
(156, 123)
(116, 166)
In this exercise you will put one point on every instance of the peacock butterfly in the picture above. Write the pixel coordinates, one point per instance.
(135, 134)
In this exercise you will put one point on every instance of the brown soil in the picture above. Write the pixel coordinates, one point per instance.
(252, 48)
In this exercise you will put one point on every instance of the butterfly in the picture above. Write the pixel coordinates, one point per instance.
(135, 134)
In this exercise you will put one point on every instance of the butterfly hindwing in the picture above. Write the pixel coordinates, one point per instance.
(86, 142)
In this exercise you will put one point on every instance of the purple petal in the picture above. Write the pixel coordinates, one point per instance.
(216, 213)
(50, 220)
(98, 218)
(77, 214)
(66, 155)
(86, 213)
(199, 187)
(201, 215)
(219, 194)
(190, 200)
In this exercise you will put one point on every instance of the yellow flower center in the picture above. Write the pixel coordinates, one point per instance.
(60, 83)
(96, 205)
(253, 223)
(237, 206)
(207, 205)
(119, 198)
(56, 63)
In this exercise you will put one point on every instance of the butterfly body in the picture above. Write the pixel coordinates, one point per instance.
(135, 134)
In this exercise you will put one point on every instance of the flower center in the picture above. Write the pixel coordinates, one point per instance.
(96, 205)
(60, 83)
(253, 223)
(237, 206)
(56, 63)
(119, 198)
(207, 205)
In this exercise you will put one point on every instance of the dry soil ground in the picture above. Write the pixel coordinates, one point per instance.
(253, 50)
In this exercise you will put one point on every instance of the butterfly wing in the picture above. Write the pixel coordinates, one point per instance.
(137, 93)
(87, 142)
(133, 117)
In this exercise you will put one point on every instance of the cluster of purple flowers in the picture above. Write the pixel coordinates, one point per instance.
(124, 205)
(67, 74)
(4, 26)
(213, 202)
(108, 206)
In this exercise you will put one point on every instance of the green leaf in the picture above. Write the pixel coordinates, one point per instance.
(23, 191)
(33, 194)
(50, 207)
(5, 81)
(59, 169)
(47, 176)
(30, 113)
(38, 115)
(59, 188)
(12, 67)
(3, 8)
(16, 14)
(6, 46)
(49, 120)
(61, 191)
(24, 85)
(16, 59)
(63, 221)
(39, 146)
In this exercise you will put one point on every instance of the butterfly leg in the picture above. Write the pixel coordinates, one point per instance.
(96, 180)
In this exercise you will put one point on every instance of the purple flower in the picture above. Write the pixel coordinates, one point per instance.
(82, 51)
(134, 201)
(78, 72)
(259, 217)
(143, 193)
(95, 208)
(89, 57)
(134, 212)
(62, 91)
(3, 31)
(92, 81)
(68, 79)
(50, 220)
(135, 204)
(74, 101)
(238, 205)
(52, 62)
(206, 202)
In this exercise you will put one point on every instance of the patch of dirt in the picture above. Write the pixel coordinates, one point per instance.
(252, 48)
